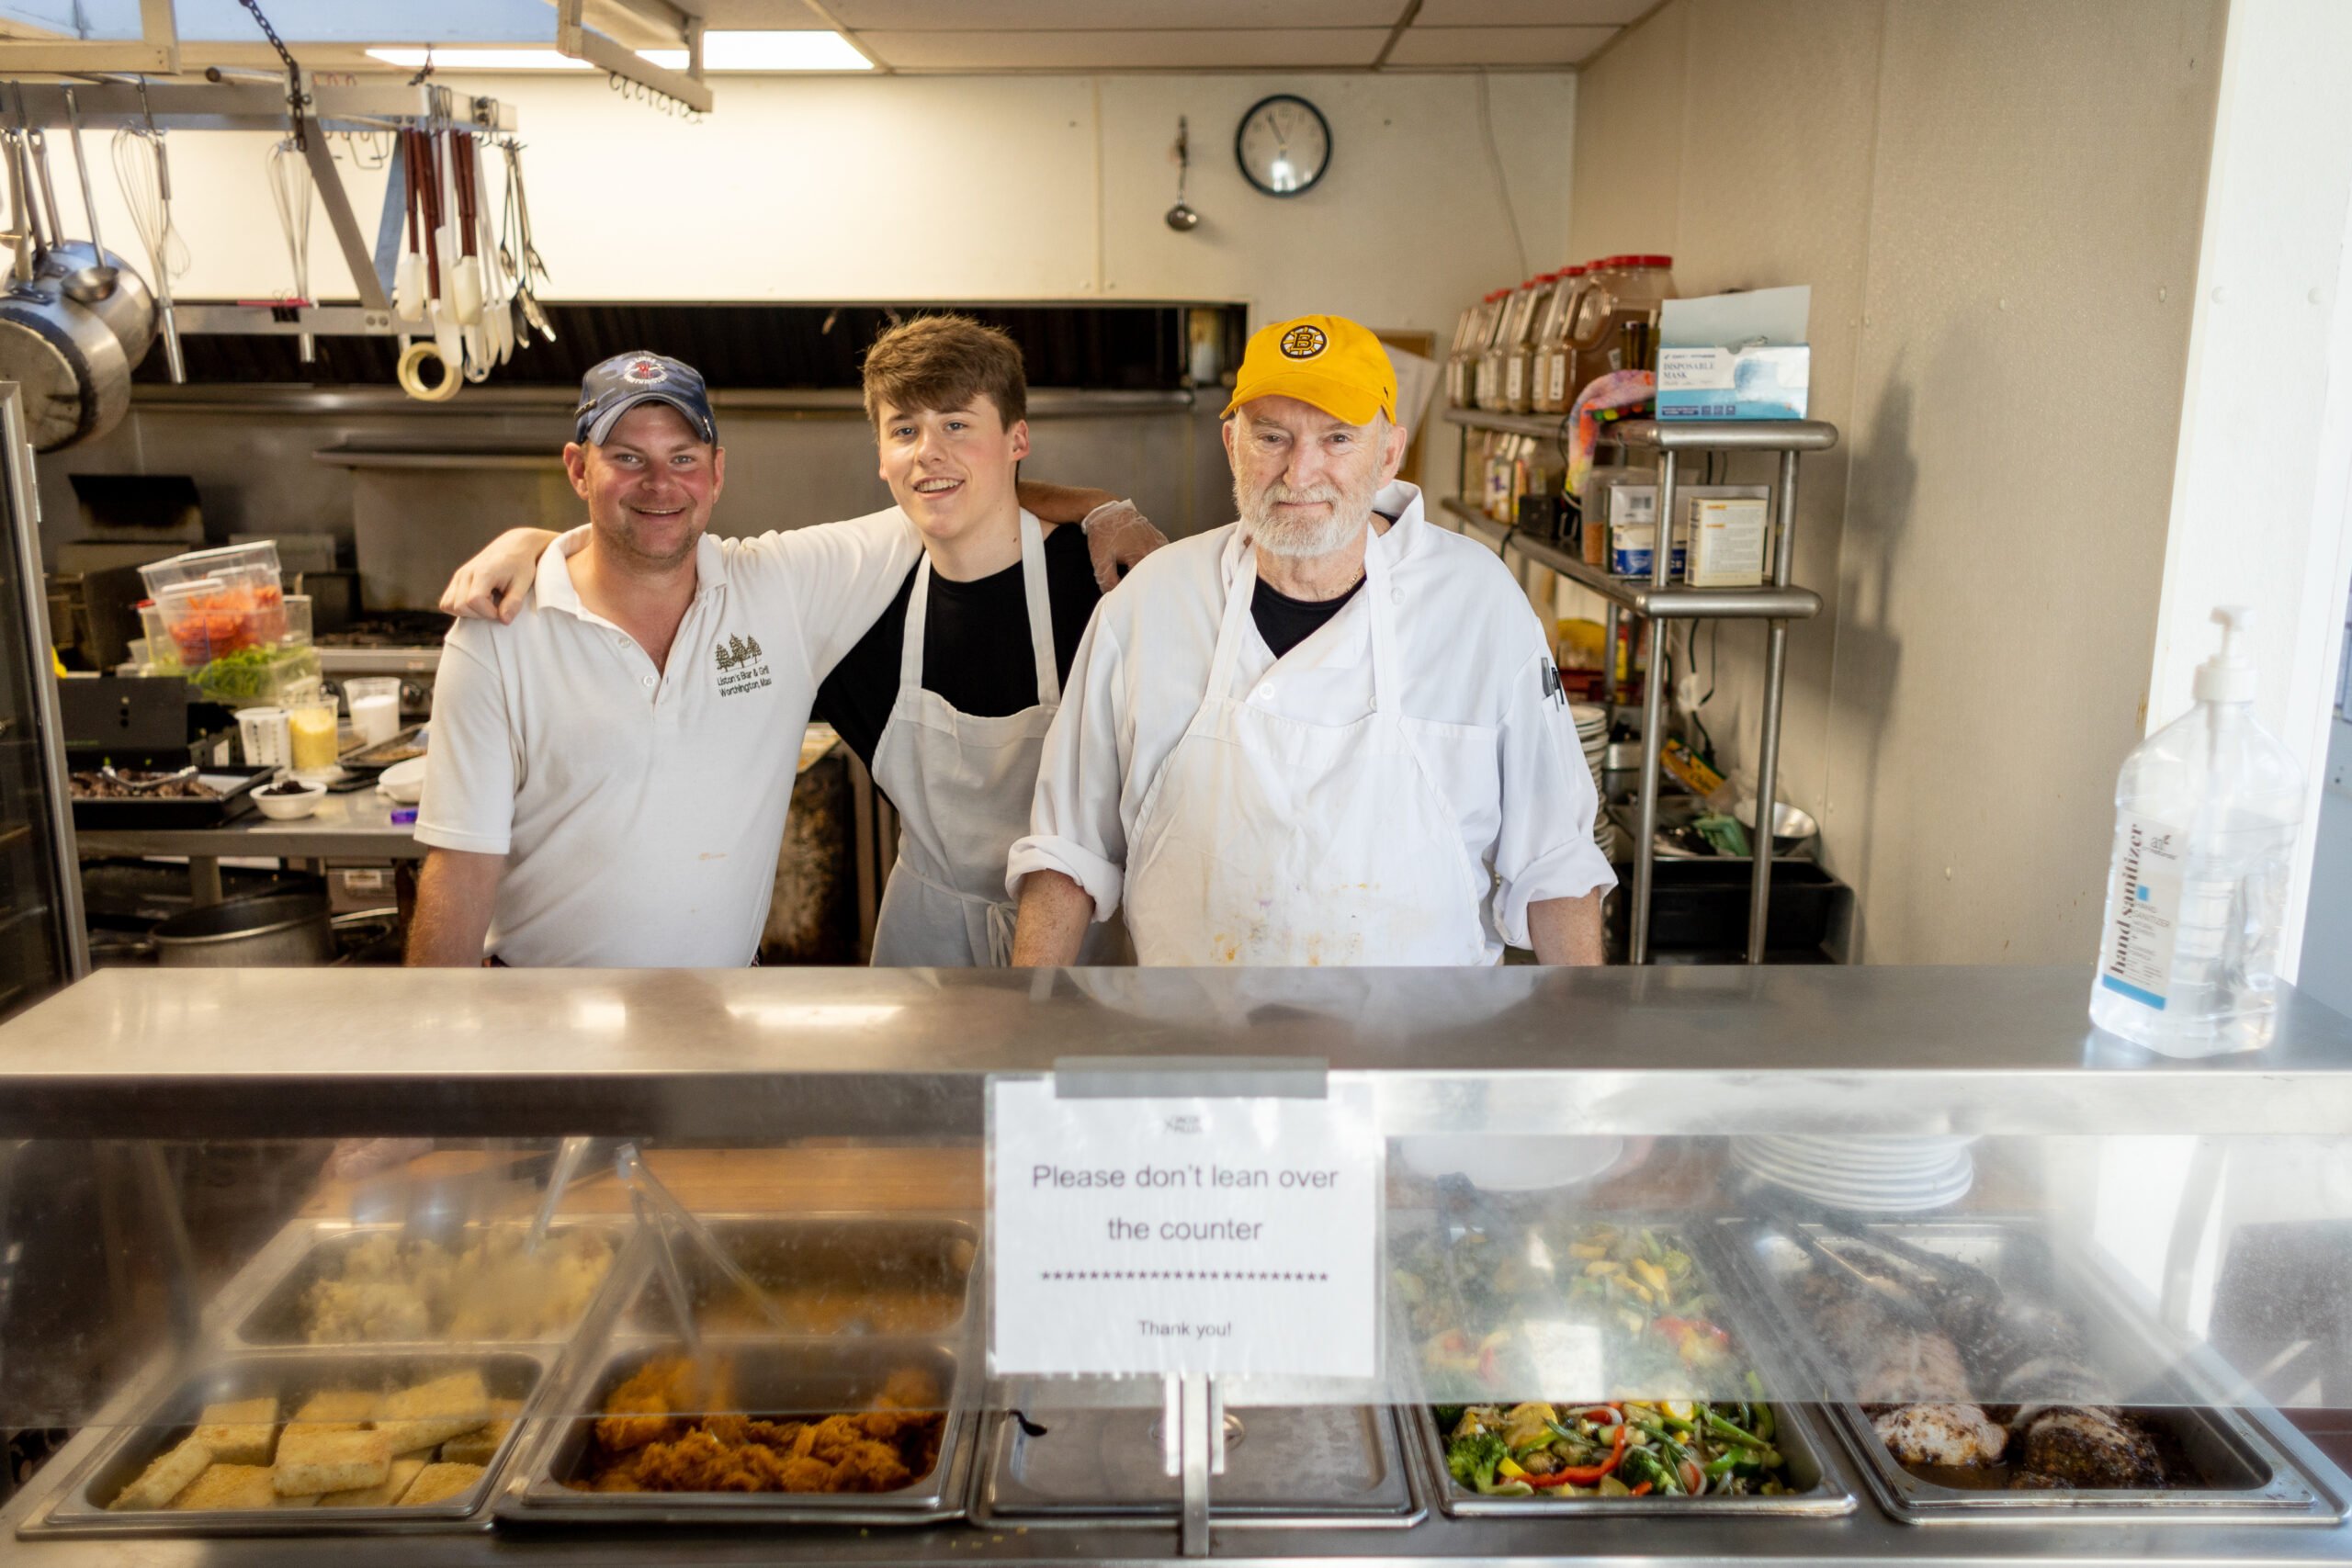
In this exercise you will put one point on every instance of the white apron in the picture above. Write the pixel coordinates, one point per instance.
(1268, 840)
(962, 786)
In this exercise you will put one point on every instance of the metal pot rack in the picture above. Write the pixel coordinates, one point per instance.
(257, 102)
(1659, 600)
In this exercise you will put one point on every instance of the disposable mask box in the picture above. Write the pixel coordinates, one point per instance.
(1734, 356)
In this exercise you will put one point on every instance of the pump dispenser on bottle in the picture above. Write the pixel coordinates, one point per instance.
(2207, 810)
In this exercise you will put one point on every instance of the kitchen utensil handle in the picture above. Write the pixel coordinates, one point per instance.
(81, 173)
(568, 1157)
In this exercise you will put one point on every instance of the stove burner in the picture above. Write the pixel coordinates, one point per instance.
(390, 629)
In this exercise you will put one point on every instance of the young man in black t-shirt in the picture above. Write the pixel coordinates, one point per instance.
(950, 718)
(948, 696)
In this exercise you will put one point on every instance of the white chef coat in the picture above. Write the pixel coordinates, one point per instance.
(640, 810)
(1482, 705)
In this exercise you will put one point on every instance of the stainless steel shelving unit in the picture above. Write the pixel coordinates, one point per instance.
(1659, 600)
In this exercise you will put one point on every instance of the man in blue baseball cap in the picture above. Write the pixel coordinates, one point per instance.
(613, 751)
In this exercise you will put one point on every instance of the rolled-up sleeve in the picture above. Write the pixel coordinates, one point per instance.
(1075, 822)
(469, 769)
(1544, 849)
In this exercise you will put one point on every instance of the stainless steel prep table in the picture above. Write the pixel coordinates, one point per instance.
(758, 1057)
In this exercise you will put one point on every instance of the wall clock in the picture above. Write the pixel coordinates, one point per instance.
(1284, 145)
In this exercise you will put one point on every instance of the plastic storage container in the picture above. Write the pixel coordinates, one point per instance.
(236, 561)
(1494, 351)
(2206, 814)
(1462, 355)
(1617, 318)
(374, 704)
(1519, 361)
(1551, 393)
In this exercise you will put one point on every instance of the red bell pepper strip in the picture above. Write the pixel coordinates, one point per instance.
(1585, 1474)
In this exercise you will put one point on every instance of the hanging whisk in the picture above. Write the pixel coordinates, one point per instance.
(144, 170)
(291, 189)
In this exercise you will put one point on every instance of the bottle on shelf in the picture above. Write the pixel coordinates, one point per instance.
(2206, 815)
(1549, 371)
(1519, 378)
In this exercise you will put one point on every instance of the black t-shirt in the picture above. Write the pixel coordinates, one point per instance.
(976, 649)
(1285, 622)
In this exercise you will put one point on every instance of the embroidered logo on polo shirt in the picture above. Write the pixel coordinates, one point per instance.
(743, 667)
(1303, 341)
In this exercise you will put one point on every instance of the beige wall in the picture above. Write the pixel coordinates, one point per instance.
(1997, 206)
(1009, 188)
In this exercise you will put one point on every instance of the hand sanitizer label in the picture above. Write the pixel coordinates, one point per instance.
(2142, 911)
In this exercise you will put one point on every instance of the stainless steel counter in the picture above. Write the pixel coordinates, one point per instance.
(767, 1053)
(358, 826)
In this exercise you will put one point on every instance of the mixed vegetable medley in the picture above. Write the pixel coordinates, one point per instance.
(1628, 1449)
(1635, 1292)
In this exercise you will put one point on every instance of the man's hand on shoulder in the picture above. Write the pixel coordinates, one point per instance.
(1117, 536)
(492, 586)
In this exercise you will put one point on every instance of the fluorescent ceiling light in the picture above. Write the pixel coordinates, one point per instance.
(481, 59)
(797, 50)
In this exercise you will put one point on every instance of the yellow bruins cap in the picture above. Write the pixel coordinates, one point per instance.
(1325, 360)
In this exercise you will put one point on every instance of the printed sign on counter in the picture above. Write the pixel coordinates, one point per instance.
(1214, 1235)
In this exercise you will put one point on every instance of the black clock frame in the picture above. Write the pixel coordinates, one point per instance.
(1330, 145)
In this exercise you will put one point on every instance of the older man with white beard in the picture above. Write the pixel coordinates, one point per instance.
(1330, 733)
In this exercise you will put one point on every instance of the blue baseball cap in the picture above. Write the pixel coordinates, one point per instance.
(625, 380)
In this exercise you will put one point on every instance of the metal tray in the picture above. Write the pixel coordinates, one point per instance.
(383, 754)
(276, 1318)
(81, 1507)
(128, 813)
(829, 1271)
(2245, 1477)
(1285, 1465)
(772, 1378)
(1799, 1439)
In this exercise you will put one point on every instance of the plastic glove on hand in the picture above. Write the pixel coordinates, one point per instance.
(1117, 536)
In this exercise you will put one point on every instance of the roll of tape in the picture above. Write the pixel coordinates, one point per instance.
(413, 361)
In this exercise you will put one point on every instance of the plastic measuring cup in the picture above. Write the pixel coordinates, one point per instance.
(265, 734)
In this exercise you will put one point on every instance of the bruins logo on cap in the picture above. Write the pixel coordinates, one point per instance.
(1303, 341)
(645, 372)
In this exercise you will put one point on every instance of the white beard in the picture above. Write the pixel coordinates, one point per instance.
(1349, 516)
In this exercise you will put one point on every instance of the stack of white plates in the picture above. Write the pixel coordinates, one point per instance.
(1880, 1175)
(1592, 734)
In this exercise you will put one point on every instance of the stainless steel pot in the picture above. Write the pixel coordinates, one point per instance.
(128, 311)
(72, 365)
(285, 928)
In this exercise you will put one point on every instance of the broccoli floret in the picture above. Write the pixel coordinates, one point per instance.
(1471, 1460)
(1448, 1416)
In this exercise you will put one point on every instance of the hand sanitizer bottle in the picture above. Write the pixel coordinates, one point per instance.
(2206, 812)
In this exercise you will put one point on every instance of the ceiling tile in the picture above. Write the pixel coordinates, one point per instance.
(1498, 46)
(1102, 15)
(1229, 48)
(1530, 13)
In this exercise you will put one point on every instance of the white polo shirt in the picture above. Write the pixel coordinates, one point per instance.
(1482, 705)
(641, 809)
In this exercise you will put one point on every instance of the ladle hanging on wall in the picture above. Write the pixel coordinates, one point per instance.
(1180, 218)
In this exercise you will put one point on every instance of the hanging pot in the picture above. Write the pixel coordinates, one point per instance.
(75, 375)
(128, 311)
